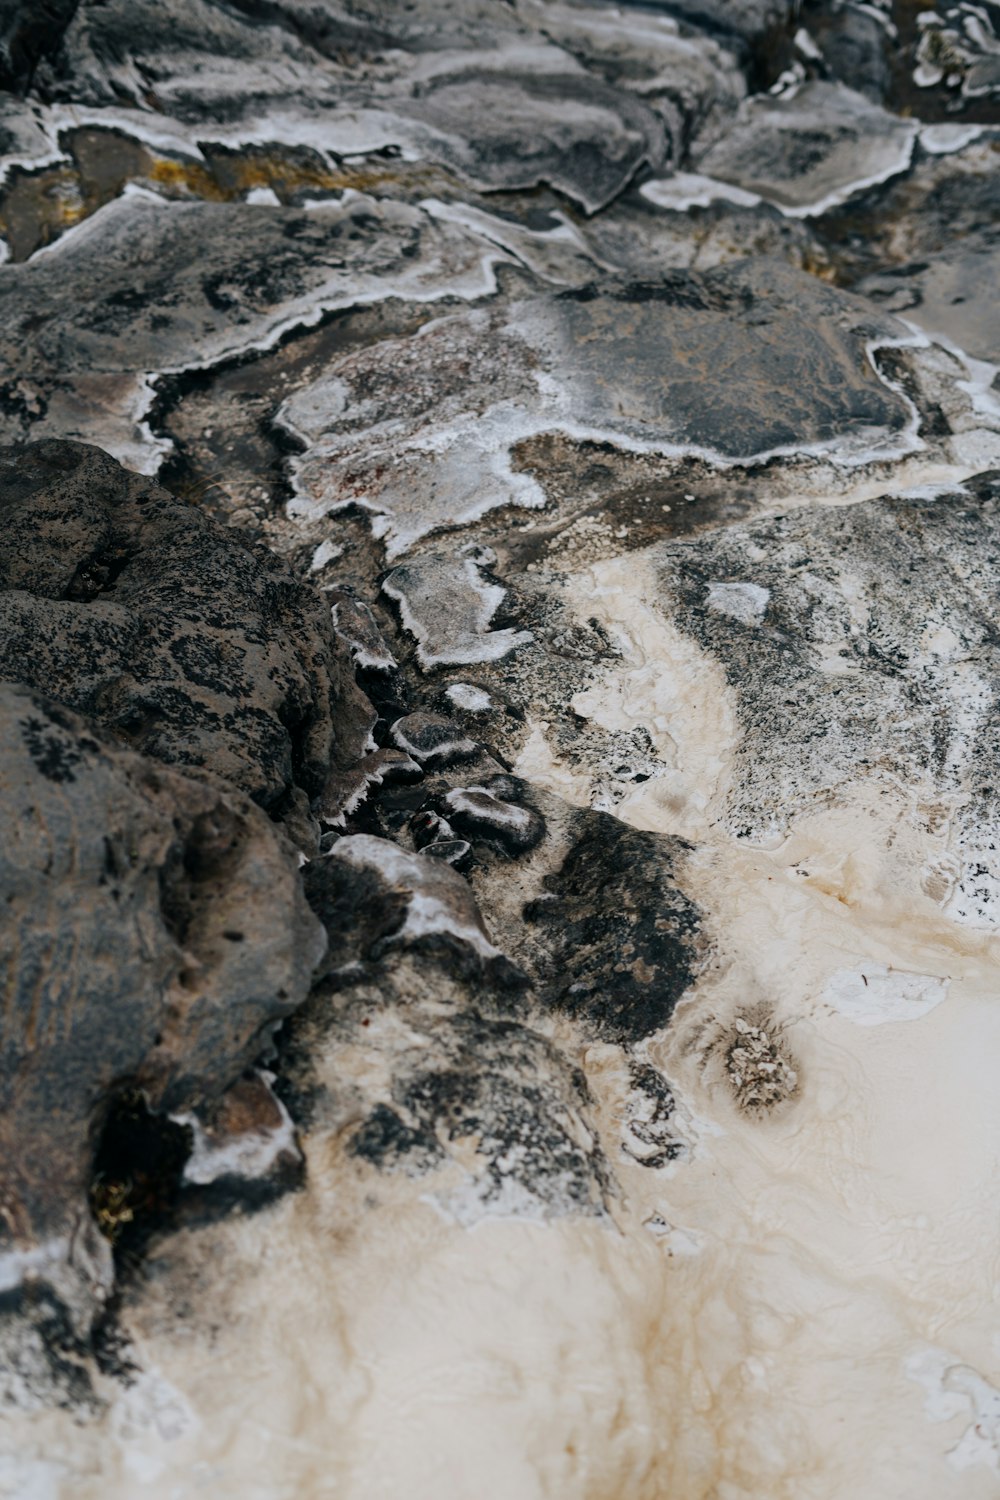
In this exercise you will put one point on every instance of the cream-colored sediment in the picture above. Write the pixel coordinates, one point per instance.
(801, 1308)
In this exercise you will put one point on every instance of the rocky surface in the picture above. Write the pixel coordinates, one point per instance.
(155, 935)
(139, 612)
(501, 806)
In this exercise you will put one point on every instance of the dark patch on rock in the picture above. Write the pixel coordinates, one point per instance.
(142, 613)
(29, 30)
(388, 1143)
(617, 937)
(496, 814)
(649, 1114)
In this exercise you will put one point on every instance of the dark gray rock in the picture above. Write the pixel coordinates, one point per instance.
(87, 323)
(734, 364)
(446, 1070)
(29, 29)
(137, 610)
(528, 115)
(811, 148)
(155, 933)
(617, 942)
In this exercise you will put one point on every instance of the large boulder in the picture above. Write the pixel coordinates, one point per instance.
(155, 933)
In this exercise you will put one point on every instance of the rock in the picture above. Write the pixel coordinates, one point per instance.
(617, 941)
(79, 352)
(492, 814)
(245, 1138)
(373, 895)
(503, 130)
(523, 114)
(735, 364)
(452, 1083)
(454, 628)
(853, 43)
(812, 148)
(432, 740)
(27, 33)
(140, 612)
(155, 934)
(870, 663)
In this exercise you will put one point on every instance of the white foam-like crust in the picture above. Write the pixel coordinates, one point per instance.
(683, 190)
(471, 641)
(440, 901)
(874, 994)
(263, 197)
(250, 1155)
(746, 602)
(466, 695)
(944, 140)
(18, 1265)
(326, 552)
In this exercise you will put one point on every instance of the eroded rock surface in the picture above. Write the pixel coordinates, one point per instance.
(155, 934)
(135, 610)
(618, 388)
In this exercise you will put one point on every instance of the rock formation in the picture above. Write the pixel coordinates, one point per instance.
(501, 848)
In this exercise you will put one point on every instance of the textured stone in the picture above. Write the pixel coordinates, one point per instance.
(138, 611)
(737, 363)
(811, 149)
(79, 346)
(155, 934)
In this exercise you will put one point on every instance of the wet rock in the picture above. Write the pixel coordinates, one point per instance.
(346, 790)
(505, 1093)
(529, 114)
(853, 43)
(652, 1139)
(84, 334)
(735, 364)
(811, 148)
(354, 623)
(749, 20)
(138, 611)
(155, 934)
(924, 247)
(505, 130)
